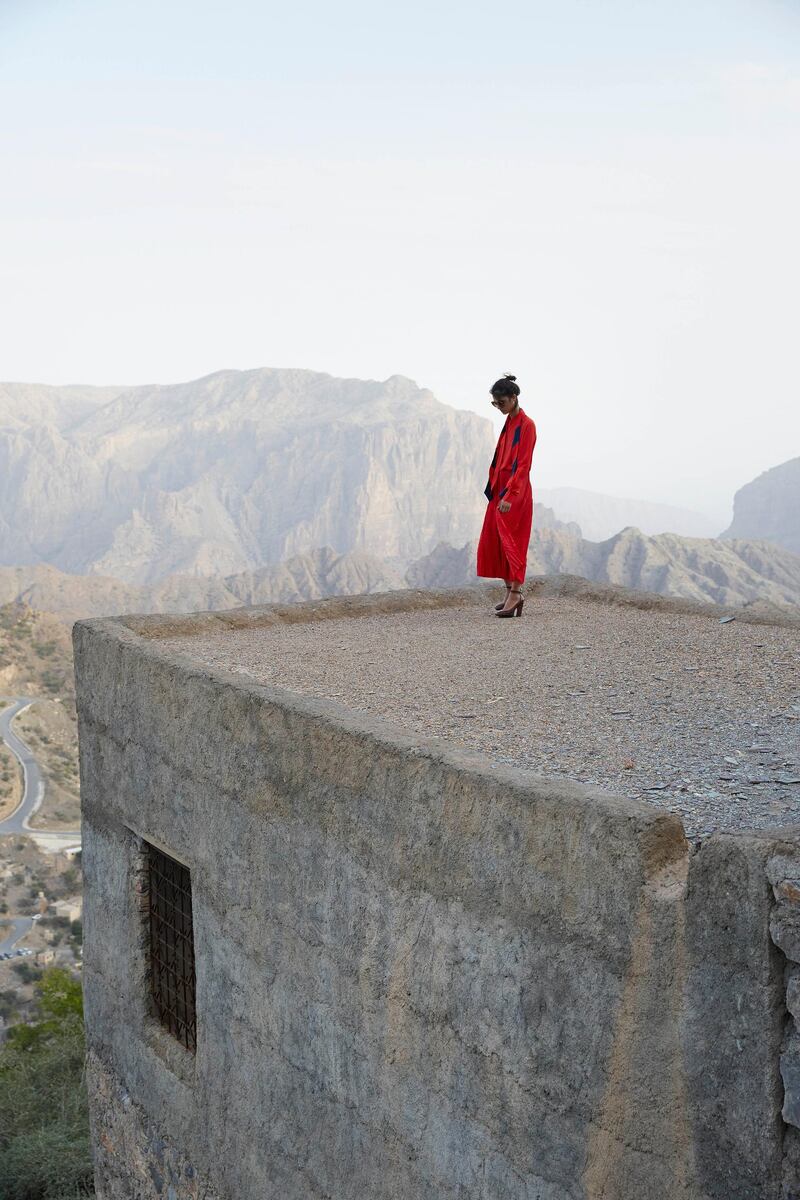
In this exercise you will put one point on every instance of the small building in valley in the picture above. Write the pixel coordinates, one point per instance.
(71, 908)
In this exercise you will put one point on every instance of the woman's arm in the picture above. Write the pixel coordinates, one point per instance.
(521, 465)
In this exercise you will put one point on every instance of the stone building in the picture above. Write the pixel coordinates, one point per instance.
(71, 908)
(389, 900)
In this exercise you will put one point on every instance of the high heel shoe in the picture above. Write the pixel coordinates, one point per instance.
(516, 611)
(502, 603)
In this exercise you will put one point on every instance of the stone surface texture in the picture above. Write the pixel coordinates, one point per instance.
(134, 1159)
(422, 973)
(672, 708)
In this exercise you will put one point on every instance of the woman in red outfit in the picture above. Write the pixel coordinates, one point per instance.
(503, 545)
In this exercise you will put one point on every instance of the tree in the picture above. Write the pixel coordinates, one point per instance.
(26, 972)
(9, 1004)
(58, 1001)
(69, 878)
(44, 1126)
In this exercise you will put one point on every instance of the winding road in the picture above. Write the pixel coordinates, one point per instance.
(19, 927)
(33, 790)
(32, 796)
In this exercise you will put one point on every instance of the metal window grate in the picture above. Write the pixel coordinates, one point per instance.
(172, 978)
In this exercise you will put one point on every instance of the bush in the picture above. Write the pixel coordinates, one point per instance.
(9, 1003)
(70, 877)
(52, 681)
(26, 972)
(44, 1126)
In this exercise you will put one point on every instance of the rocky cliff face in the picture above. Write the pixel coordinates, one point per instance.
(769, 507)
(234, 472)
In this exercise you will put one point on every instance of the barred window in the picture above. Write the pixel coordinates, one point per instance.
(172, 979)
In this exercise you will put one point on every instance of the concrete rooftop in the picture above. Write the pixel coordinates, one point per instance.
(650, 698)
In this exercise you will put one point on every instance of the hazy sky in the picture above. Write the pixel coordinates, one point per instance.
(601, 196)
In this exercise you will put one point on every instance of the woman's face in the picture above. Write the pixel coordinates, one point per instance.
(504, 404)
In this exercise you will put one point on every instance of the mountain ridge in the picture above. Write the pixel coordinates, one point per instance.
(735, 574)
(234, 472)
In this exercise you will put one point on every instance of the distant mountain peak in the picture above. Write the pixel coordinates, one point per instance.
(233, 472)
(768, 508)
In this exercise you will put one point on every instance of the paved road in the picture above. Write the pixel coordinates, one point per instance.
(21, 925)
(32, 796)
(33, 792)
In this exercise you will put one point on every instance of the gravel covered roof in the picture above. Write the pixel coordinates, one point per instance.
(695, 716)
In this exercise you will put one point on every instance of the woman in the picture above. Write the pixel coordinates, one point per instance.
(503, 545)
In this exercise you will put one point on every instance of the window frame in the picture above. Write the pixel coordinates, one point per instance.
(170, 945)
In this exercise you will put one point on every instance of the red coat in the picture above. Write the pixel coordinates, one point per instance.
(503, 545)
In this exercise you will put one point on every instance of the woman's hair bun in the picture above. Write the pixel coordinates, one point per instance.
(507, 386)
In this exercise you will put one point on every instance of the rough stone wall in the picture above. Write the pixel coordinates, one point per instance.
(732, 1021)
(418, 977)
(133, 1158)
(783, 871)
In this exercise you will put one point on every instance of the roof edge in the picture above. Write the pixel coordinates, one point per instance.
(164, 625)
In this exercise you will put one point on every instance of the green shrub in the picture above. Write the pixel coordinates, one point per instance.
(26, 972)
(9, 1003)
(70, 877)
(44, 1129)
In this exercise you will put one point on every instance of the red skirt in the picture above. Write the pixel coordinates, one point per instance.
(503, 544)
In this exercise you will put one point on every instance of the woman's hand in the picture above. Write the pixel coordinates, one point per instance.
(504, 505)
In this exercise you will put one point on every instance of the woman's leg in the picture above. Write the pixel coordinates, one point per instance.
(513, 592)
(497, 607)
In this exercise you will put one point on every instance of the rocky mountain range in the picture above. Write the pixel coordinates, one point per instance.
(303, 577)
(277, 485)
(734, 573)
(730, 573)
(233, 472)
(323, 572)
(769, 507)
